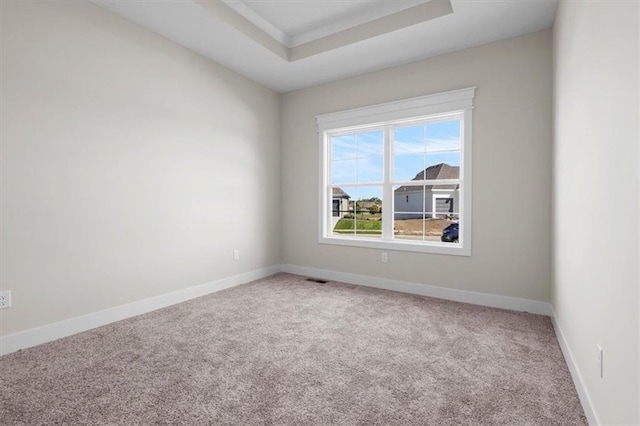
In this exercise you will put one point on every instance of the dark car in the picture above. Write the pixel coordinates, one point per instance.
(450, 233)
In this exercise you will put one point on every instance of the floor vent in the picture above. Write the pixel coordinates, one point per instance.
(317, 280)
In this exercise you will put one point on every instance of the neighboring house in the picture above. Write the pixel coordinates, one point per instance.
(365, 206)
(434, 200)
(340, 203)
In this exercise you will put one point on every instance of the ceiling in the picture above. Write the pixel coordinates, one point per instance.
(292, 44)
(296, 22)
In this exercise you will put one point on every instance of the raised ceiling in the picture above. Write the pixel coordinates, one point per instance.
(292, 44)
(296, 22)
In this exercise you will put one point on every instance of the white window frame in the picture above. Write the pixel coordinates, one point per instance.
(455, 102)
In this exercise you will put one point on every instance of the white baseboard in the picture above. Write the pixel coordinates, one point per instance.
(50, 332)
(484, 299)
(585, 400)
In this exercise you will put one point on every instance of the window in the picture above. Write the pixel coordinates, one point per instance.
(397, 176)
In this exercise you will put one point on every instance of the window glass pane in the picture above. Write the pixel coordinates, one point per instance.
(408, 212)
(408, 226)
(450, 231)
(443, 151)
(407, 167)
(370, 169)
(427, 151)
(409, 139)
(443, 203)
(357, 145)
(357, 157)
(441, 171)
(413, 167)
(340, 204)
(408, 150)
(443, 136)
(357, 211)
(370, 143)
(344, 171)
(424, 212)
(343, 147)
(449, 159)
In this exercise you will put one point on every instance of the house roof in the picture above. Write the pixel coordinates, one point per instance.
(438, 171)
(366, 204)
(339, 193)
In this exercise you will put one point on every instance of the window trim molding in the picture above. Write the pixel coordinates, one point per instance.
(454, 100)
(444, 103)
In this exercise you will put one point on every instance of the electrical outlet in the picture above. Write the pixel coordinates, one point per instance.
(236, 255)
(600, 360)
(384, 258)
(5, 299)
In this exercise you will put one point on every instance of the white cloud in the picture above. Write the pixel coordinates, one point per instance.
(432, 145)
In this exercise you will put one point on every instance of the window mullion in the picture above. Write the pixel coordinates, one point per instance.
(387, 189)
(365, 129)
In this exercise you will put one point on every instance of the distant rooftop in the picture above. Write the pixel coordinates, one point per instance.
(339, 193)
(436, 172)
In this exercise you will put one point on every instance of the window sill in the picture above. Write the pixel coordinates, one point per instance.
(417, 247)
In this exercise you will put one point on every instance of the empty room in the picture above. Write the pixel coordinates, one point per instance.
(345, 212)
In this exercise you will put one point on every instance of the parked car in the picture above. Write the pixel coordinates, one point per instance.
(450, 233)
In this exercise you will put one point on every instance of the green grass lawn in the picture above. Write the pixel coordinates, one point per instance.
(346, 226)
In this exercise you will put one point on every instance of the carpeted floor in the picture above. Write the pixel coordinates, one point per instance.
(283, 351)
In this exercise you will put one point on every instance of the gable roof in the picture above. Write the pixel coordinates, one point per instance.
(438, 171)
(339, 193)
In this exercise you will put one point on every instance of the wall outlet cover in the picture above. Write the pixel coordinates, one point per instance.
(5, 299)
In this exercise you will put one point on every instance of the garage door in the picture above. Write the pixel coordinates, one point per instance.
(444, 205)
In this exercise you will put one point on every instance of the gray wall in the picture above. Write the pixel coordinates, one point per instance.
(595, 286)
(131, 167)
(511, 155)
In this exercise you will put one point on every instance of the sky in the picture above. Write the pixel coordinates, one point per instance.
(358, 157)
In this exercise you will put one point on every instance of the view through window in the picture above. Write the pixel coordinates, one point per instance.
(398, 183)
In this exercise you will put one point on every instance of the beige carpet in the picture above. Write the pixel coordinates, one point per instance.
(284, 351)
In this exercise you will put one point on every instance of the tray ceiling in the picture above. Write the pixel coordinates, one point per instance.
(287, 45)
